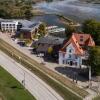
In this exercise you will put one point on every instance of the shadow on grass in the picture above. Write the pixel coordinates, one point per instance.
(16, 87)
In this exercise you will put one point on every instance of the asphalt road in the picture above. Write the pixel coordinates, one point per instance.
(33, 84)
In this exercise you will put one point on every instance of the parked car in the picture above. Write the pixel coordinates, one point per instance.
(21, 43)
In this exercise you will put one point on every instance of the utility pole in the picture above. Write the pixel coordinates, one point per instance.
(19, 59)
(90, 77)
(12, 54)
(98, 87)
(24, 80)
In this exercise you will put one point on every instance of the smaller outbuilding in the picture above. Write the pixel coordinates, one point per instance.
(48, 45)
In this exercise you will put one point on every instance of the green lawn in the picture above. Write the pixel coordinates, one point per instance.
(11, 89)
(97, 98)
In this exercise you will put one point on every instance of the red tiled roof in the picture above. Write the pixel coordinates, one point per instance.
(77, 40)
(85, 37)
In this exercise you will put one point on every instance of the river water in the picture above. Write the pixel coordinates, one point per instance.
(73, 9)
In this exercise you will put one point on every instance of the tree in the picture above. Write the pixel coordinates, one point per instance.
(69, 30)
(92, 27)
(3, 13)
(42, 29)
(21, 36)
(28, 14)
(50, 50)
(94, 59)
(15, 9)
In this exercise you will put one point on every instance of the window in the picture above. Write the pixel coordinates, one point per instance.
(66, 61)
(42, 44)
(70, 50)
(63, 55)
(76, 63)
(81, 38)
(3, 24)
(14, 30)
(76, 57)
(69, 56)
(11, 30)
(13, 26)
(63, 61)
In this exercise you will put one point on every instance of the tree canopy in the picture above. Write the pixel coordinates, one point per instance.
(94, 59)
(69, 30)
(15, 8)
(42, 29)
(92, 27)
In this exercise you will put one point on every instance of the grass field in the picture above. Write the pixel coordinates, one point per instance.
(97, 98)
(11, 89)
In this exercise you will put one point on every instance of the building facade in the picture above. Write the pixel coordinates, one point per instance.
(48, 45)
(75, 51)
(9, 26)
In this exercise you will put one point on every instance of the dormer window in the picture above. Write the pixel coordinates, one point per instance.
(81, 38)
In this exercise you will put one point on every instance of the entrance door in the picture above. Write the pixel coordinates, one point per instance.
(71, 63)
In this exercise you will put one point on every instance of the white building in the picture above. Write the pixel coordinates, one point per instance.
(9, 26)
(55, 29)
(73, 52)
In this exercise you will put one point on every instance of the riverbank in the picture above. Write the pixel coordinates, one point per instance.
(90, 1)
(61, 18)
(38, 1)
(67, 21)
(37, 12)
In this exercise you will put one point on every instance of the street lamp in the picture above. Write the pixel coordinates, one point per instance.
(19, 59)
(23, 81)
(41, 56)
(12, 54)
(75, 77)
(98, 85)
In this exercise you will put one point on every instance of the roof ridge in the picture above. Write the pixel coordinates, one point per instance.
(77, 44)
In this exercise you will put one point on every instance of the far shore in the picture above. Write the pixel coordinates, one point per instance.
(37, 12)
(90, 1)
(63, 19)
